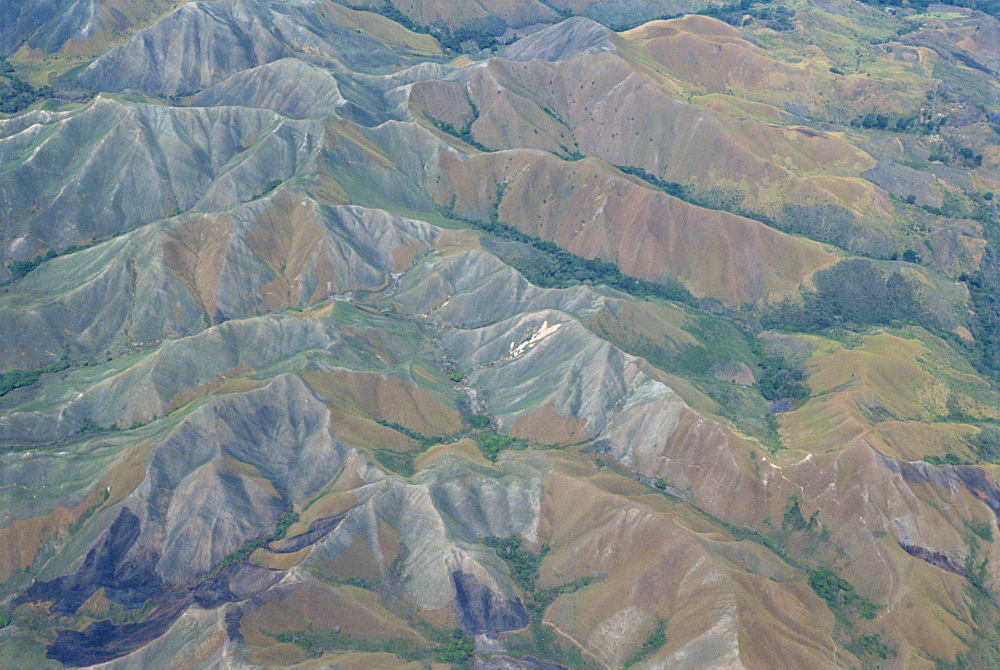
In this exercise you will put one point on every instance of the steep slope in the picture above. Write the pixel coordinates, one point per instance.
(73, 26)
(133, 164)
(569, 353)
(217, 39)
(287, 86)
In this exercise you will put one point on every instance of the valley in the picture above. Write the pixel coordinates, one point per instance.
(598, 333)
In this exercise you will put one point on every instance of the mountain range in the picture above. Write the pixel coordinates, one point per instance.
(578, 333)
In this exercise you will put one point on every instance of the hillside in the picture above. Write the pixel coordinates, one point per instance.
(612, 333)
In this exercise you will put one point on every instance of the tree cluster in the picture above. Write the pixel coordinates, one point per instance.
(476, 34)
(18, 94)
(839, 594)
(523, 564)
(16, 378)
(555, 267)
(778, 380)
(656, 639)
(459, 648)
(853, 293)
(284, 523)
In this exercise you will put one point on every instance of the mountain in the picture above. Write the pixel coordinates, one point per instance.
(645, 333)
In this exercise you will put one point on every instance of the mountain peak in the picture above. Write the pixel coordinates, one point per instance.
(565, 40)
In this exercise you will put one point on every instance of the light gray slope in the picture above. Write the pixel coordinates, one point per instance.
(112, 166)
(536, 358)
(202, 43)
(439, 516)
(570, 38)
(96, 301)
(288, 86)
(156, 384)
(302, 90)
(473, 288)
(51, 22)
(150, 284)
(282, 431)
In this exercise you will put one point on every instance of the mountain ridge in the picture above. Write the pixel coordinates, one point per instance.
(329, 331)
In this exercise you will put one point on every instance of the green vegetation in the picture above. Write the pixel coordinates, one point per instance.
(922, 122)
(78, 524)
(984, 292)
(975, 570)
(241, 554)
(479, 421)
(459, 649)
(271, 185)
(920, 6)
(555, 267)
(4, 620)
(947, 459)
(778, 380)
(656, 639)
(852, 294)
(88, 426)
(424, 440)
(359, 582)
(475, 34)
(455, 648)
(464, 133)
(18, 94)
(16, 378)
(760, 13)
(402, 462)
(315, 643)
(984, 295)
(839, 595)
(727, 201)
(399, 462)
(118, 615)
(722, 344)
(669, 187)
(870, 646)
(19, 269)
(987, 443)
(984, 289)
(523, 566)
(492, 443)
(793, 519)
(984, 647)
(984, 530)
